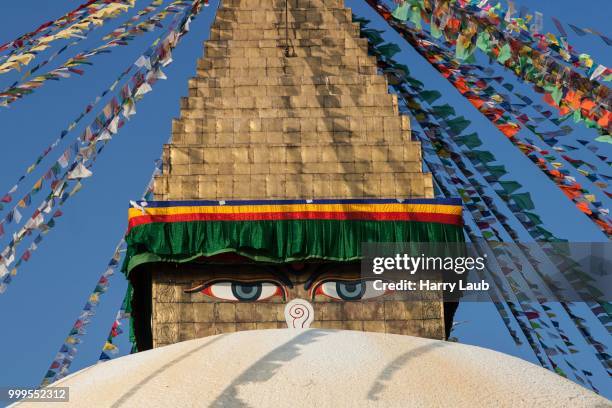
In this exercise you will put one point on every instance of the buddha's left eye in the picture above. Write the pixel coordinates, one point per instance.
(348, 290)
(243, 291)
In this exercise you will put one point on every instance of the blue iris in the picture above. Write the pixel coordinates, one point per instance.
(350, 290)
(246, 292)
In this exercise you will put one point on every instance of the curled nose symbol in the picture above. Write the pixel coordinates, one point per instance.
(299, 314)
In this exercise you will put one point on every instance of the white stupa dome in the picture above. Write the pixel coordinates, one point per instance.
(321, 368)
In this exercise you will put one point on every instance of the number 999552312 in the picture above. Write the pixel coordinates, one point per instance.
(49, 394)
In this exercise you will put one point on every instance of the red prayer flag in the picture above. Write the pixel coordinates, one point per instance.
(508, 129)
(584, 208)
(604, 121)
(587, 104)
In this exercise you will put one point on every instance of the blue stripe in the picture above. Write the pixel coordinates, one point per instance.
(204, 203)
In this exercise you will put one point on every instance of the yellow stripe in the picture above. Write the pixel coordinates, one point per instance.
(239, 209)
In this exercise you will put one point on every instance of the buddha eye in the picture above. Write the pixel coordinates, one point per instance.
(348, 290)
(236, 291)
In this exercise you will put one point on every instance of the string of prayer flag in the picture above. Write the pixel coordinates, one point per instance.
(568, 185)
(73, 176)
(468, 28)
(75, 64)
(63, 161)
(508, 190)
(96, 17)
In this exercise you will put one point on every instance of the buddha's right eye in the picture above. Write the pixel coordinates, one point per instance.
(237, 291)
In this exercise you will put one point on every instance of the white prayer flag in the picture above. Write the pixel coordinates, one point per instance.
(143, 89)
(63, 160)
(113, 127)
(80, 171)
(17, 216)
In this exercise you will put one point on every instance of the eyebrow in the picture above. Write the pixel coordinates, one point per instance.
(265, 273)
(324, 269)
(210, 281)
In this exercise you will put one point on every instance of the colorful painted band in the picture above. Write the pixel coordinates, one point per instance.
(387, 211)
(312, 215)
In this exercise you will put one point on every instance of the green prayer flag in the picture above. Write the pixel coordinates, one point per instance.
(533, 217)
(510, 186)
(458, 124)
(430, 96)
(415, 82)
(485, 156)
(443, 111)
(461, 52)
(415, 17)
(482, 156)
(483, 42)
(488, 234)
(497, 171)
(435, 31)
(471, 59)
(505, 53)
(472, 140)
(555, 93)
(373, 36)
(127, 304)
(402, 11)
(389, 50)
(401, 67)
(361, 20)
(523, 200)
(604, 139)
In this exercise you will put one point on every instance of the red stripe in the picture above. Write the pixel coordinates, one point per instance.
(306, 215)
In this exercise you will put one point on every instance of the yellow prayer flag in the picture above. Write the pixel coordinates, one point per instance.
(40, 47)
(109, 347)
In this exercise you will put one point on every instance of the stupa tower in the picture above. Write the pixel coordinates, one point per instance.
(286, 107)
(287, 104)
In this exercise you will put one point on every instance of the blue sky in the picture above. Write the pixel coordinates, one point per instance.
(47, 295)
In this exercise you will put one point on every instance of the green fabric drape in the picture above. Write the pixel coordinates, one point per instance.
(274, 241)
